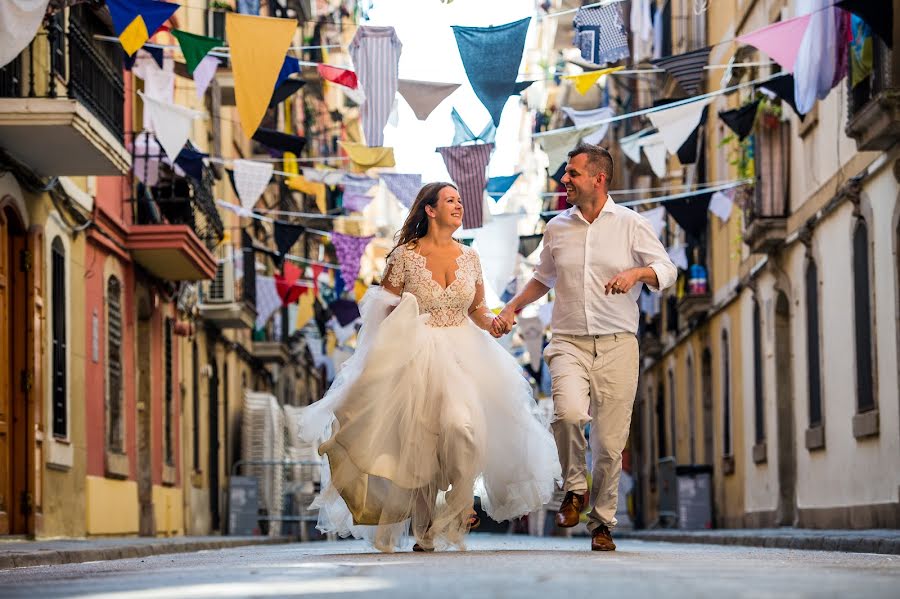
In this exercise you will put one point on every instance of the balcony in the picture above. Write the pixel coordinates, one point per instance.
(694, 307)
(62, 101)
(873, 106)
(228, 300)
(766, 204)
(271, 351)
(176, 224)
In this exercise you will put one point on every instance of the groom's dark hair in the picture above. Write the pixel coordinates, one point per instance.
(597, 157)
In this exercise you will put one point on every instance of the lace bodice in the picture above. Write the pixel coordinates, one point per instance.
(407, 271)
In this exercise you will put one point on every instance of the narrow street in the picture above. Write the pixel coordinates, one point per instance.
(494, 566)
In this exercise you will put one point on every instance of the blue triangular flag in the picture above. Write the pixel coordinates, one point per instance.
(498, 186)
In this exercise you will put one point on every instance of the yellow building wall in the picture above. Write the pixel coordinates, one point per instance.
(168, 509)
(112, 506)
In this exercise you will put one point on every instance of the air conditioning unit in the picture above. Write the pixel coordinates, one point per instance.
(221, 289)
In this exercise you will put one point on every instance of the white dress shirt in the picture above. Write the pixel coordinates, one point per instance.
(579, 258)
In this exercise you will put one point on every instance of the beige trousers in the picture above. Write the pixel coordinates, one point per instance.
(594, 380)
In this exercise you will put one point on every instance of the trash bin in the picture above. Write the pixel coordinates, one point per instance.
(694, 483)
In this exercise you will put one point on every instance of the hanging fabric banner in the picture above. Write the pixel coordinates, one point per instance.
(424, 96)
(498, 186)
(631, 145)
(19, 24)
(491, 58)
(462, 133)
(404, 187)
(267, 300)
(691, 213)
(328, 176)
(345, 311)
(365, 157)
(721, 203)
(344, 77)
(783, 87)
(878, 15)
(686, 69)
(586, 117)
(171, 124)
(585, 81)
(286, 284)
(657, 218)
(195, 47)
(358, 183)
(158, 85)
(135, 21)
(355, 202)
(349, 250)
(285, 91)
(376, 56)
(250, 180)
(467, 166)
(781, 40)
(655, 150)
(191, 162)
(815, 61)
(286, 235)
(600, 34)
(676, 124)
(290, 66)
(145, 53)
(497, 244)
(277, 140)
(529, 243)
(740, 120)
(204, 73)
(317, 190)
(258, 46)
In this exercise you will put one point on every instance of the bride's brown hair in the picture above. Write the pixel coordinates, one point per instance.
(416, 225)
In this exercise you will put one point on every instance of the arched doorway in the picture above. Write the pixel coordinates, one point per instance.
(787, 462)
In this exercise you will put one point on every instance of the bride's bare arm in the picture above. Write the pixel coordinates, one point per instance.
(478, 310)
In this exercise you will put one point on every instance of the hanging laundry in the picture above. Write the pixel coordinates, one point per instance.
(365, 157)
(879, 16)
(250, 180)
(349, 250)
(861, 52)
(585, 81)
(498, 186)
(600, 34)
(204, 73)
(424, 96)
(404, 187)
(135, 21)
(641, 25)
(467, 166)
(740, 120)
(158, 85)
(491, 58)
(376, 56)
(19, 24)
(814, 66)
(843, 24)
(462, 133)
(676, 124)
(686, 69)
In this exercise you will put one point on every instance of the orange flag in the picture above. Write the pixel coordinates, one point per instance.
(258, 46)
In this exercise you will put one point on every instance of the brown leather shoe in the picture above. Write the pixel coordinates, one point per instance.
(570, 509)
(602, 539)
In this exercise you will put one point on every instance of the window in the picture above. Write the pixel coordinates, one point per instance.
(758, 407)
(115, 431)
(726, 396)
(195, 405)
(812, 344)
(58, 371)
(865, 391)
(169, 403)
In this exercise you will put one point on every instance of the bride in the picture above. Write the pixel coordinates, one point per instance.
(429, 410)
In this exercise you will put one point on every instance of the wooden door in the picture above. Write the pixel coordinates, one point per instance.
(6, 376)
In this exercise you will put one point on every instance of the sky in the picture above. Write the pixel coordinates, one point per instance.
(430, 54)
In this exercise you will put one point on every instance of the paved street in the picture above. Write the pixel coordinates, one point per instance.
(494, 566)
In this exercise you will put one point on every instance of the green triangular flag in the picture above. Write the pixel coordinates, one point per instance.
(195, 47)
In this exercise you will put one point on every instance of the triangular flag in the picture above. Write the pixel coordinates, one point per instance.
(171, 124)
(354, 201)
(529, 243)
(462, 133)
(290, 66)
(678, 256)
(285, 91)
(195, 47)
(267, 299)
(191, 162)
(250, 180)
(278, 140)
(585, 81)
(363, 157)
(781, 41)
(657, 218)
(783, 87)
(655, 149)
(204, 73)
(558, 145)
(285, 283)
(498, 186)
(467, 166)
(631, 146)
(686, 69)
(404, 187)
(156, 53)
(286, 235)
(491, 58)
(19, 24)
(136, 20)
(376, 55)
(676, 124)
(344, 77)
(691, 213)
(258, 46)
(721, 204)
(740, 120)
(424, 96)
(349, 250)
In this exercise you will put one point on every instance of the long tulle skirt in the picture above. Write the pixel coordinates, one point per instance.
(419, 420)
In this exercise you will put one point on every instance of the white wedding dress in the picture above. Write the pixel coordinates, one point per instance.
(427, 412)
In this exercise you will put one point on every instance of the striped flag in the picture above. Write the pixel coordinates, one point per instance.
(467, 166)
(686, 69)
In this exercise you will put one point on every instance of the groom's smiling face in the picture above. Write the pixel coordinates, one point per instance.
(581, 179)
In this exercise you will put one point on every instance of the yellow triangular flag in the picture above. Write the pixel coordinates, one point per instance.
(258, 46)
(586, 81)
(305, 310)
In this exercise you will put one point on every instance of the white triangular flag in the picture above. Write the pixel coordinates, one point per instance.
(250, 180)
(424, 96)
(630, 146)
(204, 73)
(657, 218)
(676, 124)
(655, 150)
(587, 117)
(172, 124)
(721, 203)
(558, 145)
(678, 256)
(19, 24)
(545, 313)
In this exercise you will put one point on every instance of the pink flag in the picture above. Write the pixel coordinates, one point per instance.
(781, 41)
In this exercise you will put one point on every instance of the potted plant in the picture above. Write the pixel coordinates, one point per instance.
(770, 114)
(215, 22)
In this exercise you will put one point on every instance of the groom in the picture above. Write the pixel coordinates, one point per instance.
(596, 255)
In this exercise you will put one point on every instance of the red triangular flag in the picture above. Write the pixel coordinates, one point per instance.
(338, 75)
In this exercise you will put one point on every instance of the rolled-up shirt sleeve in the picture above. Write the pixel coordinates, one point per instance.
(649, 251)
(545, 272)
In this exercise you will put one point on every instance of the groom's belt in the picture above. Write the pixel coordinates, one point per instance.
(616, 336)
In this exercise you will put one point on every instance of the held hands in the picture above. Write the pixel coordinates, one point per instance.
(503, 322)
(623, 282)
